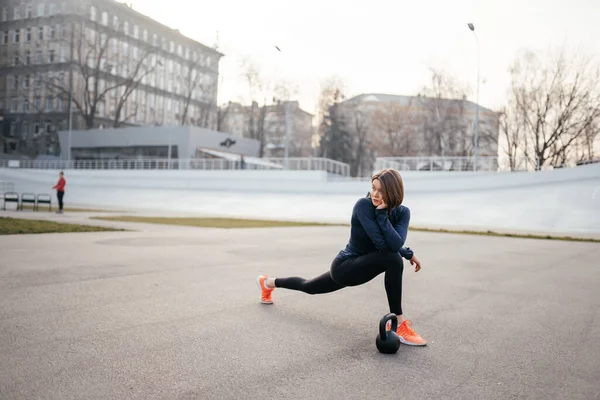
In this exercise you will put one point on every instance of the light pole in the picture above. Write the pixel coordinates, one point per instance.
(71, 58)
(476, 132)
(171, 126)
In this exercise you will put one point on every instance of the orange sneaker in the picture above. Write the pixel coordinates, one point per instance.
(408, 336)
(265, 292)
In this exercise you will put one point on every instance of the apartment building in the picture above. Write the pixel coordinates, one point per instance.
(268, 124)
(119, 67)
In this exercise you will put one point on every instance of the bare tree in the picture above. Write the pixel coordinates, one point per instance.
(222, 113)
(198, 83)
(445, 125)
(256, 113)
(395, 127)
(558, 100)
(97, 69)
(335, 141)
(142, 67)
(357, 122)
(511, 127)
(586, 145)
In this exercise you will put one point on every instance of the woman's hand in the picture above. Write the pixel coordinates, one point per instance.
(415, 261)
(382, 205)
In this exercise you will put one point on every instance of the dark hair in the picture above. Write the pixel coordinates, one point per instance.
(392, 187)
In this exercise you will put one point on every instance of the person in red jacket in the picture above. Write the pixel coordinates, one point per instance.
(60, 191)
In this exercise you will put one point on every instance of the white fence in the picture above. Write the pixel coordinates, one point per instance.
(313, 164)
(295, 164)
(489, 164)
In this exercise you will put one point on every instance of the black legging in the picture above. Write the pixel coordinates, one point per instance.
(354, 272)
(60, 195)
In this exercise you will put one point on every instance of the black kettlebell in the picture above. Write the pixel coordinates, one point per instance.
(388, 342)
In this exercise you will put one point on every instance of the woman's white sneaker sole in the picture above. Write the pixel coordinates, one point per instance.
(410, 343)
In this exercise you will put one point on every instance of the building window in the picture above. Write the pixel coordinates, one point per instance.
(62, 55)
(4, 14)
(29, 12)
(36, 128)
(52, 33)
(28, 35)
(27, 57)
(49, 103)
(37, 103)
(15, 82)
(16, 60)
(38, 81)
(5, 38)
(51, 56)
(104, 18)
(17, 13)
(59, 104)
(40, 33)
(135, 31)
(14, 106)
(25, 105)
(26, 82)
(39, 57)
(17, 36)
(145, 35)
(40, 10)
(52, 9)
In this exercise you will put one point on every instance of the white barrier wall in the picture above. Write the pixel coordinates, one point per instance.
(560, 201)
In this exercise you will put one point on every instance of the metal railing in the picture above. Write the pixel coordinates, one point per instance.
(313, 164)
(489, 164)
(296, 164)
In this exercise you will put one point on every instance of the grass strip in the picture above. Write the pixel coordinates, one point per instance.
(225, 223)
(230, 223)
(16, 226)
(502, 234)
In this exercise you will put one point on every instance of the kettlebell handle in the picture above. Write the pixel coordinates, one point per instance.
(383, 322)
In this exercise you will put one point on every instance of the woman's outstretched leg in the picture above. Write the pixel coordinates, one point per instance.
(321, 284)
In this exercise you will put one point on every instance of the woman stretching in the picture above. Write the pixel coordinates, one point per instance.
(378, 231)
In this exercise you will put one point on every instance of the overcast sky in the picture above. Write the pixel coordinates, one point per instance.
(386, 47)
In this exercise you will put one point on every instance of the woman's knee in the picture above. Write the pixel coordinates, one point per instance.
(393, 259)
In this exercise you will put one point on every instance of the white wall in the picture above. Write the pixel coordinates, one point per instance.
(559, 201)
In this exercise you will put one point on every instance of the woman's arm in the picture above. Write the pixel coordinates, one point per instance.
(369, 218)
(395, 235)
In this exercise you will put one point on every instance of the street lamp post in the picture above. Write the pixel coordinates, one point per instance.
(71, 58)
(171, 127)
(476, 131)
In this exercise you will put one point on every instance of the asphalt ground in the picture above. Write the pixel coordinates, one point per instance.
(166, 312)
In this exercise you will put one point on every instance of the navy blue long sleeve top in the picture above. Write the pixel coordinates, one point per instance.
(374, 230)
